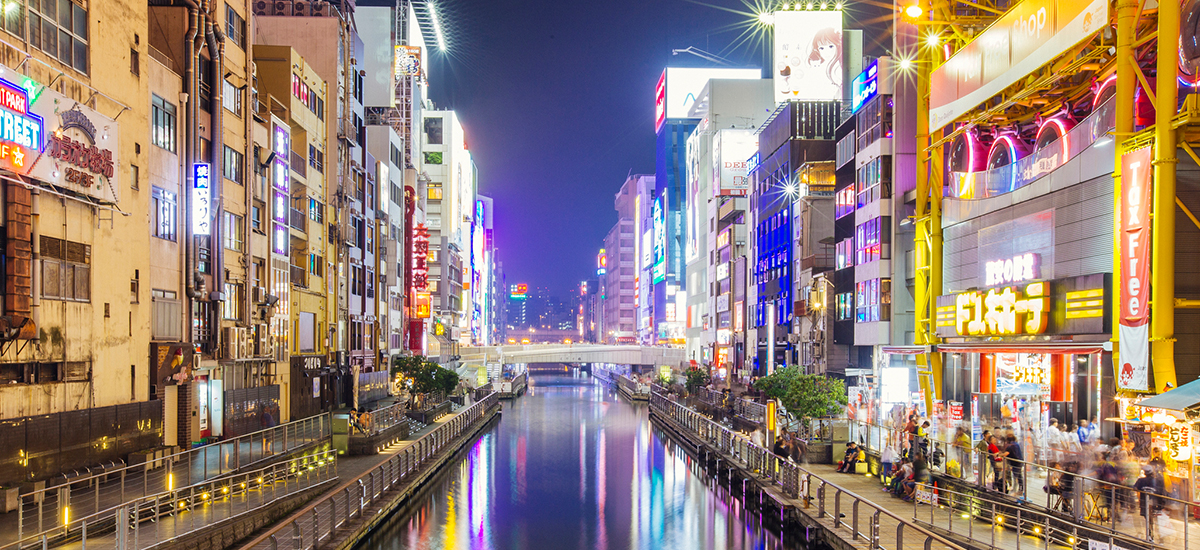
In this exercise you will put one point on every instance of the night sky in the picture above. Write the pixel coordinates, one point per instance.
(557, 100)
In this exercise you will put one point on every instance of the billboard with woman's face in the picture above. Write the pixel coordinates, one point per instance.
(808, 55)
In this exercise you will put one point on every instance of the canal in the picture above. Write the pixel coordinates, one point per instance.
(573, 465)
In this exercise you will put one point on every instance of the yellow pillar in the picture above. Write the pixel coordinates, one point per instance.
(1162, 268)
(928, 214)
(1126, 87)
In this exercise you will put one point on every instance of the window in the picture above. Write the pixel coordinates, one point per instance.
(433, 131)
(66, 270)
(232, 230)
(316, 265)
(233, 168)
(435, 191)
(164, 207)
(256, 220)
(235, 27)
(316, 158)
(356, 282)
(166, 315)
(874, 181)
(397, 196)
(845, 254)
(233, 301)
(869, 238)
(370, 280)
(433, 157)
(135, 62)
(873, 300)
(395, 156)
(60, 29)
(845, 306)
(204, 70)
(231, 98)
(316, 211)
(134, 175)
(844, 202)
(162, 120)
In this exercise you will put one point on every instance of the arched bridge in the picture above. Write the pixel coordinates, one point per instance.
(573, 353)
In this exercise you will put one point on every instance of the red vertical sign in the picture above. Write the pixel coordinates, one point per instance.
(1134, 329)
(660, 102)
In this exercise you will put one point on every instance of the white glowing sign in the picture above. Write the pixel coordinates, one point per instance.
(201, 199)
(1020, 268)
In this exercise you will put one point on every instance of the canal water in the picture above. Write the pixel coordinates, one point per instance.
(574, 465)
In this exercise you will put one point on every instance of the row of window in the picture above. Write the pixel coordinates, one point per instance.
(871, 301)
(309, 97)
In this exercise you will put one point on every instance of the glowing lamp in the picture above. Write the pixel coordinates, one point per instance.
(914, 11)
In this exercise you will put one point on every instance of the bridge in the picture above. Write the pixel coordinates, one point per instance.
(573, 353)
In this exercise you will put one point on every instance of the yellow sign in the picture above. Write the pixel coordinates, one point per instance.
(1003, 311)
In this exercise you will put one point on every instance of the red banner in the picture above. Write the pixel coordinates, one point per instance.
(1134, 329)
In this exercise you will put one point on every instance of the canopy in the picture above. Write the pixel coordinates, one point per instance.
(1183, 398)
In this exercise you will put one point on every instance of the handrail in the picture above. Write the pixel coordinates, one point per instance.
(174, 502)
(795, 481)
(982, 475)
(320, 519)
(43, 509)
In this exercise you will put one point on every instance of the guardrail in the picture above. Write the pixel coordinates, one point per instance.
(636, 390)
(385, 417)
(320, 520)
(1092, 504)
(168, 515)
(52, 507)
(862, 517)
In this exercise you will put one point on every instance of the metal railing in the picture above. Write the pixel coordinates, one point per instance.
(863, 518)
(320, 520)
(1090, 502)
(635, 389)
(161, 518)
(384, 418)
(46, 509)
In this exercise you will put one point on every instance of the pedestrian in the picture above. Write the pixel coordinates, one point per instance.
(984, 457)
(1083, 433)
(780, 448)
(1016, 463)
(997, 459)
(962, 451)
(756, 438)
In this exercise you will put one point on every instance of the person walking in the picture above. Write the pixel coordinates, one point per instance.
(984, 457)
(1016, 465)
(962, 451)
(997, 458)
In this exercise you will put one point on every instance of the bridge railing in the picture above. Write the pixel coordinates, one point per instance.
(317, 522)
(863, 518)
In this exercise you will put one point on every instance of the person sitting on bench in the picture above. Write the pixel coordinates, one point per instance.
(853, 456)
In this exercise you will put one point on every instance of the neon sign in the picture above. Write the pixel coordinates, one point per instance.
(865, 86)
(1003, 311)
(201, 199)
(21, 132)
(420, 272)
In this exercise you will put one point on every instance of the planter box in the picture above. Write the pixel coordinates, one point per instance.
(10, 499)
(33, 491)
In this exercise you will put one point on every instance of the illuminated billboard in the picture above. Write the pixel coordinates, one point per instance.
(808, 55)
(518, 291)
(601, 262)
(731, 153)
(659, 269)
(678, 88)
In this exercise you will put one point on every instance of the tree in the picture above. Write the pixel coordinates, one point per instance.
(426, 376)
(697, 378)
(805, 395)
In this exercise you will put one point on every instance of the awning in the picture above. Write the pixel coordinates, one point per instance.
(905, 350)
(1183, 398)
(1055, 348)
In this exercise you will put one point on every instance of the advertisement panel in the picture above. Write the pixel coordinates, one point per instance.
(201, 199)
(1134, 329)
(1030, 35)
(876, 80)
(731, 153)
(408, 61)
(659, 269)
(808, 55)
(678, 88)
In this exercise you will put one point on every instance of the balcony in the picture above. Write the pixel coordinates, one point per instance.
(299, 276)
(821, 260)
(299, 166)
(299, 220)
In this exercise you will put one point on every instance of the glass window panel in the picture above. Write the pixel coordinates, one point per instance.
(79, 21)
(81, 56)
(68, 281)
(49, 36)
(64, 47)
(50, 278)
(50, 10)
(35, 30)
(83, 289)
(64, 13)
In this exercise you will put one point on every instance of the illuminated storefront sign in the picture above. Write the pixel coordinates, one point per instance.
(1017, 269)
(660, 102)
(1002, 312)
(601, 262)
(1076, 305)
(659, 269)
(518, 291)
(870, 83)
(20, 132)
(420, 272)
(1133, 330)
(731, 151)
(280, 190)
(201, 199)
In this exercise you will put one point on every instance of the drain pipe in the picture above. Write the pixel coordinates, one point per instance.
(35, 302)
(216, 48)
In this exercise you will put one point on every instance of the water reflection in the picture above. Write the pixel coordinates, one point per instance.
(572, 465)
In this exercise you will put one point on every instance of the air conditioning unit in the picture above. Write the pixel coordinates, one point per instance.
(263, 341)
(247, 343)
(233, 343)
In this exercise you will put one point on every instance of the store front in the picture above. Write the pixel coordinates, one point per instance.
(1166, 425)
(1016, 356)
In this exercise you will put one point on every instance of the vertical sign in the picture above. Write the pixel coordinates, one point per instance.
(201, 199)
(280, 191)
(420, 272)
(660, 102)
(1134, 329)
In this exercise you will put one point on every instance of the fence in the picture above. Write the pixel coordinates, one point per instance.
(635, 389)
(1094, 504)
(862, 517)
(38, 447)
(161, 518)
(386, 417)
(320, 520)
(51, 508)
